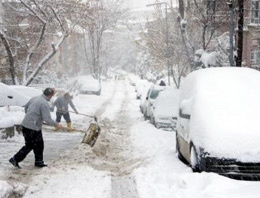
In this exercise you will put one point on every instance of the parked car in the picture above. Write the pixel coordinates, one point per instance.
(165, 109)
(140, 88)
(143, 99)
(16, 95)
(85, 85)
(218, 126)
(151, 96)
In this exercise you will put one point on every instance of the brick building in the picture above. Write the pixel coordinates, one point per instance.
(251, 36)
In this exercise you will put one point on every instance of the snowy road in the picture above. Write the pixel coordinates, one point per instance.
(131, 159)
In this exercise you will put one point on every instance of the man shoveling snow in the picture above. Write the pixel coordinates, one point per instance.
(37, 110)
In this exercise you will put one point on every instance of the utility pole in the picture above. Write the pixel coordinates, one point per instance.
(231, 32)
(167, 54)
(240, 33)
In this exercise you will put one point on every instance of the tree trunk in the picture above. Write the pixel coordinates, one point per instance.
(10, 56)
(181, 8)
(240, 33)
(187, 46)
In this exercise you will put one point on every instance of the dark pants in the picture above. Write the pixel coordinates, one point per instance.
(33, 141)
(65, 115)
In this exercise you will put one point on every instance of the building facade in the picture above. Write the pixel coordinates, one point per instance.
(251, 48)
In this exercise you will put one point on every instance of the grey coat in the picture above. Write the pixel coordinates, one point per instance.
(63, 105)
(37, 110)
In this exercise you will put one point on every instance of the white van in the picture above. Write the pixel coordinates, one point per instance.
(218, 127)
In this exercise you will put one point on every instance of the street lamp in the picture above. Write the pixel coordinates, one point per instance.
(167, 55)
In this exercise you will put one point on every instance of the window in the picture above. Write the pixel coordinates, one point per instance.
(255, 12)
(255, 57)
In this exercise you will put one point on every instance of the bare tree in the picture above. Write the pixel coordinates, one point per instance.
(49, 24)
(9, 54)
(104, 15)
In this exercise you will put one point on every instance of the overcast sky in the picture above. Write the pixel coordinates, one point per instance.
(141, 3)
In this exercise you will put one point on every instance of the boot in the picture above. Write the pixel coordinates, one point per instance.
(55, 128)
(14, 163)
(69, 126)
(40, 164)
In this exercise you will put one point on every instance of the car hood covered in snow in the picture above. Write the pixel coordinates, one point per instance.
(224, 104)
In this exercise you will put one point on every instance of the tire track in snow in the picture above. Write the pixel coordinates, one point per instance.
(103, 107)
(113, 148)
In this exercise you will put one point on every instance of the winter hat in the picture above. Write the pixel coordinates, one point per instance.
(48, 92)
(67, 95)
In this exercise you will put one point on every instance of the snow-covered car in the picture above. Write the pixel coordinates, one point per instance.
(151, 96)
(87, 85)
(218, 126)
(140, 87)
(27, 91)
(133, 79)
(143, 99)
(165, 109)
(16, 95)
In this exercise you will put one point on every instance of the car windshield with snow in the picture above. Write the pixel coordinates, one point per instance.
(218, 126)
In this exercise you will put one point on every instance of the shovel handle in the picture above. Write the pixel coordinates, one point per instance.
(82, 114)
(95, 118)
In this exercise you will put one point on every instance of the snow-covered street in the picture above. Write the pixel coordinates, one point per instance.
(131, 159)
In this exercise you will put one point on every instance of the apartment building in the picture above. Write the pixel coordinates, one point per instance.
(251, 49)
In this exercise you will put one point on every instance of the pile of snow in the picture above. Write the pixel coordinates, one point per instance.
(11, 190)
(208, 59)
(225, 110)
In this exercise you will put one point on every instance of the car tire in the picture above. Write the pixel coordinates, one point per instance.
(152, 121)
(145, 117)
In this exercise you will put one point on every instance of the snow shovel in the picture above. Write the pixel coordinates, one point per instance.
(90, 116)
(93, 131)
(91, 134)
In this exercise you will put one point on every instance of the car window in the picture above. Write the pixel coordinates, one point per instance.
(154, 94)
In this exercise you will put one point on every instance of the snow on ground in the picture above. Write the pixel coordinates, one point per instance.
(160, 175)
(81, 181)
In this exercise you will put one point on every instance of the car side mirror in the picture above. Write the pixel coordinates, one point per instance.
(183, 115)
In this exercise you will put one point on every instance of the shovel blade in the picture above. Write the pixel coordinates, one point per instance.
(92, 134)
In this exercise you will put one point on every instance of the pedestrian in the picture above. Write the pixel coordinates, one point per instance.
(37, 110)
(62, 104)
(162, 83)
